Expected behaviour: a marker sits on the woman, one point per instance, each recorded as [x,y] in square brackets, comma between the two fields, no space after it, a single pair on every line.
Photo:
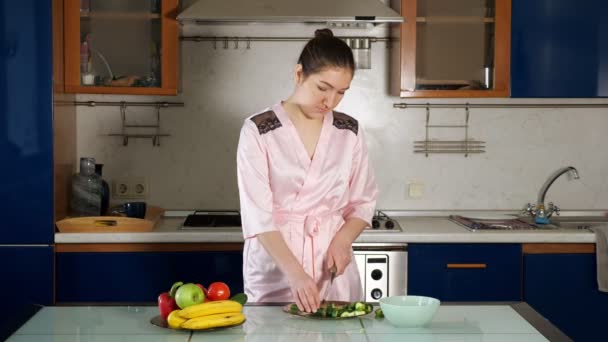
[306,188]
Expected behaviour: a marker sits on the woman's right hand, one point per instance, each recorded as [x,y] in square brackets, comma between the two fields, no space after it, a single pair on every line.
[305,292]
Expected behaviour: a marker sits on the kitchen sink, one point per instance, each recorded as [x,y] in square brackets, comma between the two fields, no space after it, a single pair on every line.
[578,222]
[572,222]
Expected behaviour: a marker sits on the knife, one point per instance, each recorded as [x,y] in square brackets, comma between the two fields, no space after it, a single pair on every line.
[332,271]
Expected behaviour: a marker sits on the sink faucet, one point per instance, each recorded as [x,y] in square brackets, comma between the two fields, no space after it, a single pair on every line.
[539,212]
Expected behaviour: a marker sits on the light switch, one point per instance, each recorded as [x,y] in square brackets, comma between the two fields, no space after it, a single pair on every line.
[416,190]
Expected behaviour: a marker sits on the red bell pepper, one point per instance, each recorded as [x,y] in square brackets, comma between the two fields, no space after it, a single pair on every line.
[166,304]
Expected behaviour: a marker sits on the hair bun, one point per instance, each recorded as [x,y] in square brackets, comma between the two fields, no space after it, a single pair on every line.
[324,33]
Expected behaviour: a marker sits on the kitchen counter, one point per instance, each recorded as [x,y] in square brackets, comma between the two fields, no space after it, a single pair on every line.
[471,322]
[427,229]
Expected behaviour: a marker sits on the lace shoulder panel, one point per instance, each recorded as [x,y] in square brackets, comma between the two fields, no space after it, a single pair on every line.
[266,122]
[344,121]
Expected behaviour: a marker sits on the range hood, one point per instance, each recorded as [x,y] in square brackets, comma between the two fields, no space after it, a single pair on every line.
[289,11]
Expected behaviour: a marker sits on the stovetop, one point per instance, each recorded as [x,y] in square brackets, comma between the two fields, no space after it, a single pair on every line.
[383,222]
[227,218]
[211,218]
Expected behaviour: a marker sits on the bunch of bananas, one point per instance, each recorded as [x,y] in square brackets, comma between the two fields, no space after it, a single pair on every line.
[220,313]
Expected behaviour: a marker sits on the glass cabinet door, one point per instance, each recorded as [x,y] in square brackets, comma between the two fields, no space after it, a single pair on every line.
[117,46]
[455,48]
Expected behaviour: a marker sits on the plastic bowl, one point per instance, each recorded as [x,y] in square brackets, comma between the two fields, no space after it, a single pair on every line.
[409,311]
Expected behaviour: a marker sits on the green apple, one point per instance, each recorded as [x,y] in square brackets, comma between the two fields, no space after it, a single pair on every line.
[189,294]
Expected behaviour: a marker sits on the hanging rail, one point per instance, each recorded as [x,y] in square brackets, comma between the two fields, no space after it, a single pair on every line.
[163,104]
[500,105]
[247,40]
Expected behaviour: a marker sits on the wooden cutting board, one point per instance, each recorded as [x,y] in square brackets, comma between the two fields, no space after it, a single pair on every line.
[111,224]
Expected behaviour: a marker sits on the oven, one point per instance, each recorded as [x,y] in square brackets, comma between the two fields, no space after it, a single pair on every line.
[383,269]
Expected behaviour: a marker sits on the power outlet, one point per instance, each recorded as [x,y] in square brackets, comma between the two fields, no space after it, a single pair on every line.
[136,188]
[415,190]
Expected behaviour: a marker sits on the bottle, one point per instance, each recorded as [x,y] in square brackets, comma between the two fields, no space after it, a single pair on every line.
[105,190]
[86,190]
[84,57]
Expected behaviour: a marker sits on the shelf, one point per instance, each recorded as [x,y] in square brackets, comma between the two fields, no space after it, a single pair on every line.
[120,15]
[454,20]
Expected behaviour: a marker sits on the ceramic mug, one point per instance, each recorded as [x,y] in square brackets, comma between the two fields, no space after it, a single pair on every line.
[130,209]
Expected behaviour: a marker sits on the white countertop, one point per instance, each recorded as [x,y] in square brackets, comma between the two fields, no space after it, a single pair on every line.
[415,229]
[490,323]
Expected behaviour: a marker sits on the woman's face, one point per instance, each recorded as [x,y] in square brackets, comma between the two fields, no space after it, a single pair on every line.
[322,91]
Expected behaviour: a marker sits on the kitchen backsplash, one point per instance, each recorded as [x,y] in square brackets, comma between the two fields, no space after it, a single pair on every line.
[195,166]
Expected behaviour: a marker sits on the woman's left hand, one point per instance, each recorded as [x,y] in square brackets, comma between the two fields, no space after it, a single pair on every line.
[339,253]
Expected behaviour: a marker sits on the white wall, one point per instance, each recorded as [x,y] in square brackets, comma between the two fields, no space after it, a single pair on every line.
[195,167]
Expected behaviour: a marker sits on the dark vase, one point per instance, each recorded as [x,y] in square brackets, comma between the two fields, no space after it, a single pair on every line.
[105,190]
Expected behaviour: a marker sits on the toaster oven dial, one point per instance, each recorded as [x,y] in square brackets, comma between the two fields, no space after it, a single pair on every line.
[376,294]
[376,274]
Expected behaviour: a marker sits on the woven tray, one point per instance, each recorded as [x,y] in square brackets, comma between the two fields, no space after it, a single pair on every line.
[111,224]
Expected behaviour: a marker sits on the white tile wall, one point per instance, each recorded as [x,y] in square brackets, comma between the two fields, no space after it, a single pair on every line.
[195,167]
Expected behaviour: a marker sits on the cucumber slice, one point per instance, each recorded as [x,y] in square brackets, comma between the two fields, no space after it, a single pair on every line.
[359,306]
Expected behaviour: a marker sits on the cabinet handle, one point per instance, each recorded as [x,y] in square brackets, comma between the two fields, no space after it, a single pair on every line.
[466,265]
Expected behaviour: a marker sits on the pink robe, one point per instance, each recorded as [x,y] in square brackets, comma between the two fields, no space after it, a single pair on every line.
[307,201]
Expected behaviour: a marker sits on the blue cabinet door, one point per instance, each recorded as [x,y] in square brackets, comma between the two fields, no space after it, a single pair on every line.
[433,271]
[559,48]
[563,288]
[132,277]
[26,283]
[26,122]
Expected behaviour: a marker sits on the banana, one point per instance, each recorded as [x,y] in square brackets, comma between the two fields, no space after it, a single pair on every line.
[211,308]
[174,320]
[213,321]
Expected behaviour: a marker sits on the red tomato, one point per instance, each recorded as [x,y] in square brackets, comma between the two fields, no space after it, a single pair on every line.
[218,291]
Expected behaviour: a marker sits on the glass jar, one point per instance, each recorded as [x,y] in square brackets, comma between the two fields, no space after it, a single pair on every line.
[87,190]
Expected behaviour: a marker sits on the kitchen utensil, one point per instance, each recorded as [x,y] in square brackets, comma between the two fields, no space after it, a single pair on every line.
[160,322]
[293,310]
[111,224]
[409,311]
[130,209]
[332,272]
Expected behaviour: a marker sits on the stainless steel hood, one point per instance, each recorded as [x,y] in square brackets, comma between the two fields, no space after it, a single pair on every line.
[289,11]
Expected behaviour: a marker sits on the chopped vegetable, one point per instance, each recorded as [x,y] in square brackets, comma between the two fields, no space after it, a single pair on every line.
[360,306]
[379,313]
[334,310]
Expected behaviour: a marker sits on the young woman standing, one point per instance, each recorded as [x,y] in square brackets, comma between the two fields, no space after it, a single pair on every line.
[306,187]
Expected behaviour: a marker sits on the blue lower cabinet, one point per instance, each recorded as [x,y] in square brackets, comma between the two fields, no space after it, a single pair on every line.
[141,276]
[26,274]
[465,272]
[563,288]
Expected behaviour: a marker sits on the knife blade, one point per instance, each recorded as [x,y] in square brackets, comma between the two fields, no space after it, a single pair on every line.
[332,272]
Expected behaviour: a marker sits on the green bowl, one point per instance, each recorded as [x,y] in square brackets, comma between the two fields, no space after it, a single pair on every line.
[409,311]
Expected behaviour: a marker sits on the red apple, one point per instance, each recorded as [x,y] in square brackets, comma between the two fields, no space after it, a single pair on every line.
[202,288]
[189,294]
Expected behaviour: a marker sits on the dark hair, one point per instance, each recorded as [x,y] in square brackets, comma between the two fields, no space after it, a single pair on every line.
[324,51]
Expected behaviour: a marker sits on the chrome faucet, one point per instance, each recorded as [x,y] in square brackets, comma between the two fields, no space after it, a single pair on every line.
[539,212]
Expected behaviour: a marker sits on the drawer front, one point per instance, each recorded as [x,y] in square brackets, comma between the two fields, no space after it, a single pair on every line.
[465,272]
